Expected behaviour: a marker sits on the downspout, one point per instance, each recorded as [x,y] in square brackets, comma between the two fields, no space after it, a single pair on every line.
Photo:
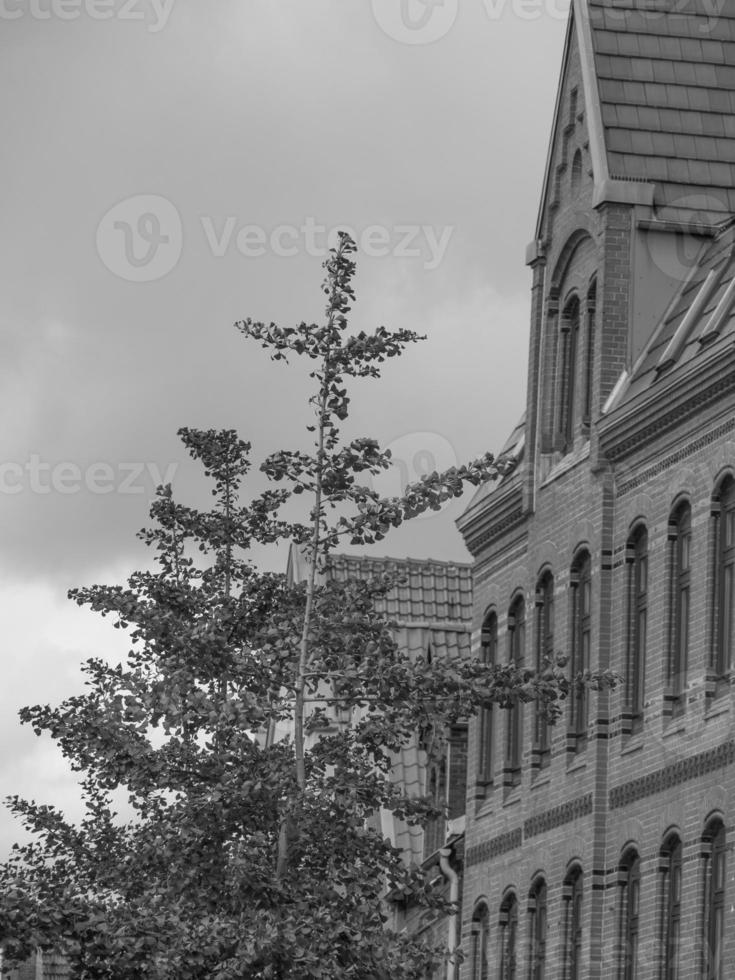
[453,878]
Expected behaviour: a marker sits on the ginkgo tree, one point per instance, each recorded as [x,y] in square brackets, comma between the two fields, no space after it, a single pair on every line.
[242,855]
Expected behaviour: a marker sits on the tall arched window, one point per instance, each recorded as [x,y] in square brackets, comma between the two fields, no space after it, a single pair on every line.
[589,354]
[537,931]
[714,849]
[723,593]
[636,557]
[488,652]
[581,632]
[630,882]
[544,650]
[480,942]
[572,895]
[514,724]
[680,538]
[569,342]
[508,937]
[671,906]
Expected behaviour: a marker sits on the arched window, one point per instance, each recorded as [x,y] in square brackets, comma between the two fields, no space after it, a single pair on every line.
[629,879]
[581,631]
[488,652]
[636,557]
[723,593]
[572,895]
[670,866]
[514,725]
[480,942]
[508,937]
[680,538]
[589,355]
[576,171]
[569,341]
[544,650]
[714,850]
[537,930]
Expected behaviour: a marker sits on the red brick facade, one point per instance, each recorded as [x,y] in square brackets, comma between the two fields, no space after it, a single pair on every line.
[618,473]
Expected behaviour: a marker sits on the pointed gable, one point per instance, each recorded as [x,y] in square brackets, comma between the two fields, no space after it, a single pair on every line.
[666,81]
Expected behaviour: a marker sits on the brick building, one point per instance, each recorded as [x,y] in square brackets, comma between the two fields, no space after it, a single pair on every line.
[602,847]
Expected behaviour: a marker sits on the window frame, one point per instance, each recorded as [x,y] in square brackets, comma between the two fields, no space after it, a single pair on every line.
[723,607]
[715,878]
[514,722]
[489,655]
[671,865]
[629,879]
[480,964]
[573,896]
[569,324]
[680,561]
[537,929]
[580,583]
[637,566]
[544,644]
[508,938]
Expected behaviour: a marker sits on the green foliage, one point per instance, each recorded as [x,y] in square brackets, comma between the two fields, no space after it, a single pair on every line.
[247,856]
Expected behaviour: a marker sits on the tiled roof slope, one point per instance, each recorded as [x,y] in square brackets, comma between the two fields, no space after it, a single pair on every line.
[666,77]
[700,323]
[430,591]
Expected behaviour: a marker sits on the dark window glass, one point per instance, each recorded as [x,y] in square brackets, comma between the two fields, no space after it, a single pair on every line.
[637,561]
[489,650]
[514,729]
[590,352]
[581,583]
[671,905]
[629,916]
[508,938]
[723,514]
[680,540]
[569,340]
[714,912]
[480,936]
[544,651]
[573,926]
[537,931]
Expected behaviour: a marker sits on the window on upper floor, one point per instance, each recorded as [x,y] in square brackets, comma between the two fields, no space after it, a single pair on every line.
[569,342]
[629,878]
[514,721]
[544,637]
[488,653]
[714,852]
[589,354]
[636,557]
[508,938]
[572,895]
[680,540]
[480,942]
[723,591]
[537,916]
[670,867]
[580,635]
[576,175]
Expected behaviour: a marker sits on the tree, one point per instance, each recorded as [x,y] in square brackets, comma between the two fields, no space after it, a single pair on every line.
[245,856]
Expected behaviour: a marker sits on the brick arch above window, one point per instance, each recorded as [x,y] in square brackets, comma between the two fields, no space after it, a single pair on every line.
[580,239]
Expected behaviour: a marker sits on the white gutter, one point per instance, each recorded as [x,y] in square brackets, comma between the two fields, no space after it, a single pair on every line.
[453,878]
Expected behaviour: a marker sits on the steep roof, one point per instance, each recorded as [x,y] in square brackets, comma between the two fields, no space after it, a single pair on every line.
[666,84]
[429,591]
[699,326]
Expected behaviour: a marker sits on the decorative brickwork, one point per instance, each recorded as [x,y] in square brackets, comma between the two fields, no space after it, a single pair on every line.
[678,772]
[562,814]
[492,848]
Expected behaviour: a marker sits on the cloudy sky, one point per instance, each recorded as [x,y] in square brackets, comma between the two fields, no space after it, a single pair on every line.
[171,166]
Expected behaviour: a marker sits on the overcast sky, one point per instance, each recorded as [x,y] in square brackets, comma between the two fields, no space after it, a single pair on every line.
[171,166]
